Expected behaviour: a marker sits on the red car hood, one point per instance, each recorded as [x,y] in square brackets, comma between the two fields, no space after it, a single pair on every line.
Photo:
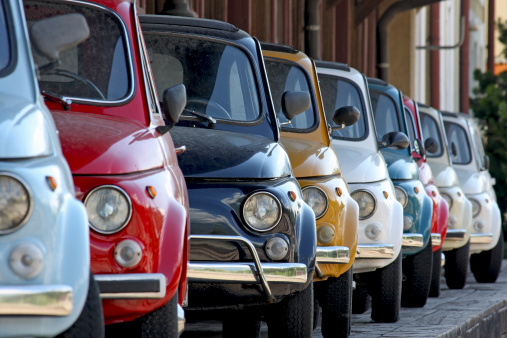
[103,145]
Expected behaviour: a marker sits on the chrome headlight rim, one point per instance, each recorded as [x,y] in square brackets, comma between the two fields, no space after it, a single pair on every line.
[374,202]
[129,202]
[279,209]
[325,198]
[404,192]
[476,202]
[449,198]
[25,185]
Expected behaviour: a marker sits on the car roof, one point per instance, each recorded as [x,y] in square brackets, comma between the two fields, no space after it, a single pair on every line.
[332,65]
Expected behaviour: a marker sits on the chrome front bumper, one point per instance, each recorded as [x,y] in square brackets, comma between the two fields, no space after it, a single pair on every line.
[455,234]
[436,239]
[38,300]
[333,255]
[374,251]
[481,238]
[412,240]
[132,285]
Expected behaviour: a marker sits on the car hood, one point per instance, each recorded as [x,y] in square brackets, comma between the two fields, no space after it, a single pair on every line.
[310,158]
[471,182]
[361,165]
[24,130]
[400,167]
[444,175]
[104,145]
[213,153]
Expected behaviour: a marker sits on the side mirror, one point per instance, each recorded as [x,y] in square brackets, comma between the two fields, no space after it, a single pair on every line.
[431,145]
[345,116]
[294,103]
[56,34]
[454,150]
[486,162]
[394,140]
[420,150]
[174,100]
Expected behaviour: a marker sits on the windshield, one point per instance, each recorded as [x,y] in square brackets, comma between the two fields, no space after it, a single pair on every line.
[285,77]
[430,129]
[5,52]
[385,114]
[95,70]
[410,127]
[338,93]
[218,77]
[478,147]
[458,140]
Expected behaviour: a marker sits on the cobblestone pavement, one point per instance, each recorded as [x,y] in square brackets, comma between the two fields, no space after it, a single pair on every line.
[478,310]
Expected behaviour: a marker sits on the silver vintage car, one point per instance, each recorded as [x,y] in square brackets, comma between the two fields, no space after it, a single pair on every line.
[46,287]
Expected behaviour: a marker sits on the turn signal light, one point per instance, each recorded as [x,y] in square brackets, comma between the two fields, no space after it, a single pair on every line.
[386,195]
[292,196]
[416,189]
[151,191]
[51,181]
[338,191]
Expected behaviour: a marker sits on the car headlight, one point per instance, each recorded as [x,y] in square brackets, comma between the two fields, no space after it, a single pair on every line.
[401,196]
[447,198]
[476,207]
[366,202]
[15,204]
[262,211]
[109,209]
[316,198]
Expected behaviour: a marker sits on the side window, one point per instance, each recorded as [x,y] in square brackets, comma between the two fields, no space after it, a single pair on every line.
[457,136]
[5,52]
[384,111]
[236,94]
[430,129]
[410,127]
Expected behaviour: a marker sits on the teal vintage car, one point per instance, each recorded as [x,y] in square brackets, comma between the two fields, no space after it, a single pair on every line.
[387,104]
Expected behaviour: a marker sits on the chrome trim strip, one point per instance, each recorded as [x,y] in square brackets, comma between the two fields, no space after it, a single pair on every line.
[455,234]
[233,272]
[132,277]
[41,300]
[412,240]
[181,320]
[436,239]
[481,238]
[333,254]
[375,251]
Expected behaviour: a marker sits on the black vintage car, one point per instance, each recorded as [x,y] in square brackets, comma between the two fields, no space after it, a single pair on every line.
[253,240]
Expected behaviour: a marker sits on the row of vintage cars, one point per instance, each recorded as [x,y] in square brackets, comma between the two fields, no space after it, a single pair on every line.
[151,164]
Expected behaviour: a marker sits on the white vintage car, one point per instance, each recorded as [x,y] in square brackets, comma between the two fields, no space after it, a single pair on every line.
[380,228]
[456,246]
[471,164]
[46,287]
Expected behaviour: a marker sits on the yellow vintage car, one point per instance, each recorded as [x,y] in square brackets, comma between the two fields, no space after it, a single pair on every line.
[317,169]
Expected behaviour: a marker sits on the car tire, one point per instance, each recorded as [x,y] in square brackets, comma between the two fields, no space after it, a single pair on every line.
[417,269]
[316,309]
[361,300]
[486,265]
[385,291]
[456,266]
[90,322]
[163,322]
[293,317]
[336,305]
[436,273]
[241,326]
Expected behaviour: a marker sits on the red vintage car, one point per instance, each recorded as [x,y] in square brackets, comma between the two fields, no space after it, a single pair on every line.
[440,206]
[123,162]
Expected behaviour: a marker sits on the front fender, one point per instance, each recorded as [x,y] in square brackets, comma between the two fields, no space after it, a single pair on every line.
[442,214]
[306,240]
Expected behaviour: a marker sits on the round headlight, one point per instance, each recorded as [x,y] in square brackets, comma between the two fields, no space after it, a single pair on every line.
[316,198]
[447,198]
[262,211]
[15,204]
[366,202]
[401,196]
[476,207]
[109,209]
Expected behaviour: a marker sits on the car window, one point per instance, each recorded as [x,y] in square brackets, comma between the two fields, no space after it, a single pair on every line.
[430,129]
[410,127]
[385,114]
[5,52]
[218,77]
[478,147]
[95,70]
[457,135]
[338,93]
[286,77]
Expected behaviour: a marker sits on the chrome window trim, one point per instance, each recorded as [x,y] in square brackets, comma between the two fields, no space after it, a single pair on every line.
[327,199]
[374,199]
[129,202]
[30,198]
[279,207]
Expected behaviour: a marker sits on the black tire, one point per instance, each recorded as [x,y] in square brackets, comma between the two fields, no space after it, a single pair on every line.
[90,322]
[337,306]
[241,326]
[316,309]
[417,271]
[293,317]
[486,265]
[456,266]
[361,300]
[385,291]
[436,273]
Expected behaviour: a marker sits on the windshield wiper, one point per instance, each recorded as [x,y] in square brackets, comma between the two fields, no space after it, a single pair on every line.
[65,102]
[211,121]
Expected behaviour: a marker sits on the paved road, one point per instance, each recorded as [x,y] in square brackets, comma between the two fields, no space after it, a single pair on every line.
[478,310]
